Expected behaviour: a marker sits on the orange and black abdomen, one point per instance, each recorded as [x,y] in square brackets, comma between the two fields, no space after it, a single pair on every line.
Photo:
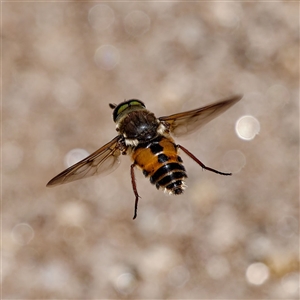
[159,160]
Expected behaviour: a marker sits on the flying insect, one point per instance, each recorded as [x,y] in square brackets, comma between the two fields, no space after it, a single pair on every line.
[147,140]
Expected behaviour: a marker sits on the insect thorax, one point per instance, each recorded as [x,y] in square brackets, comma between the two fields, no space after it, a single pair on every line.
[139,126]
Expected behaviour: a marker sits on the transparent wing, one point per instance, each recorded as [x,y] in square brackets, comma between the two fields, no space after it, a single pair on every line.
[102,160]
[189,121]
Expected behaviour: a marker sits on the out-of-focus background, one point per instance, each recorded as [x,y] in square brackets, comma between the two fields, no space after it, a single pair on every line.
[226,237]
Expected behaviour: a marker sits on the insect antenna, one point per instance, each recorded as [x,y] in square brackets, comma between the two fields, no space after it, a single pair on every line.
[200,163]
[112,106]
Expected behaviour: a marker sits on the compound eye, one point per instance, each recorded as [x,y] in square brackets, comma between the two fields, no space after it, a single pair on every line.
[125,105]
[136,102]
[121,108]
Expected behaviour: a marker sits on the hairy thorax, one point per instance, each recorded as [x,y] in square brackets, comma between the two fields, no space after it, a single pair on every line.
[141,126]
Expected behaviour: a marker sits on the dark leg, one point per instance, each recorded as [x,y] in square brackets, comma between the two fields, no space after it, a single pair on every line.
[134,190]
[199,162]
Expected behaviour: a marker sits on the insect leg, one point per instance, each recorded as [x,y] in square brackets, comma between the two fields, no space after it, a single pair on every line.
[199,162]
[134,190]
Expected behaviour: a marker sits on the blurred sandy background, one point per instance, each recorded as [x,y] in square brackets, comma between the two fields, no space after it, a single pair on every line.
[226,237]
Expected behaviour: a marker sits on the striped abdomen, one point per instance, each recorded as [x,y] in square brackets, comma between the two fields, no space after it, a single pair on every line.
[159,161]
